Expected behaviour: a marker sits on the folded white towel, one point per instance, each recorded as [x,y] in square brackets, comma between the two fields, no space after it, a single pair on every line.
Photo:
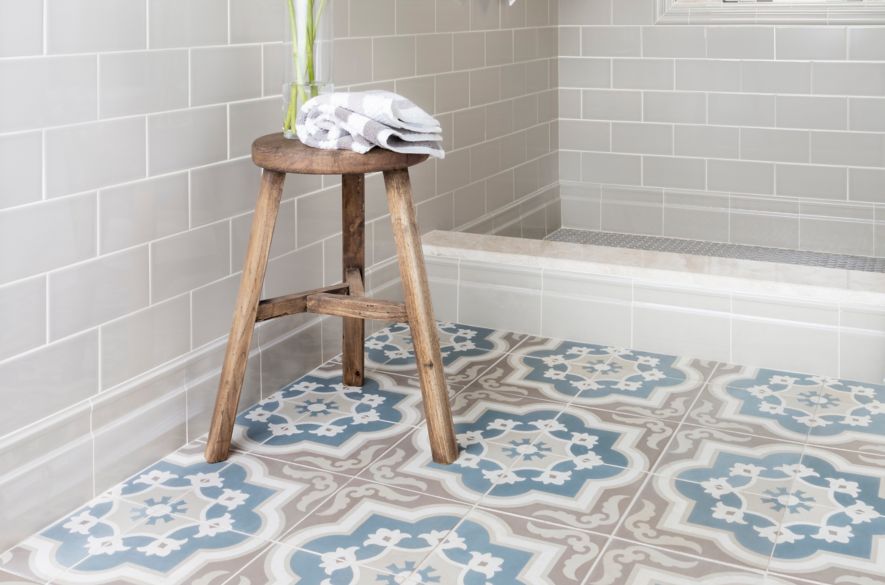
[360,121]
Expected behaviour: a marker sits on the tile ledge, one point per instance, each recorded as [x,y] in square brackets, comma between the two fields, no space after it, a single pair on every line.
[724,274]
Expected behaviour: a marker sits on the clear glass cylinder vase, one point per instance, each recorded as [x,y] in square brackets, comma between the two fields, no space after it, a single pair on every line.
[308,56]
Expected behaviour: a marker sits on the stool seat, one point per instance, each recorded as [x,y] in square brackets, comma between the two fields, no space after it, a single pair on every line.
[275,152]
[277,156]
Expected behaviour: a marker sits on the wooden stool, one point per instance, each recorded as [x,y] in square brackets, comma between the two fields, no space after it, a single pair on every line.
[278,156]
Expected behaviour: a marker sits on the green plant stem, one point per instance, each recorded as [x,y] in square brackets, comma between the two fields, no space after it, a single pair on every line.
[298,93]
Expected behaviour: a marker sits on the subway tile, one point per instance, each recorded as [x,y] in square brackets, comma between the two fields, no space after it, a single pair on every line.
[469,127]
[212,308]
[740,176]
[794,347]
[867,114]
[583,308]
[584,72]
[436,213]
[47,380]
[848,79]
[295,271]
[764,222]
[661,328]
[499,47]
[822,233]
[484,15]
[573,12]
[225,74]
[318,216]
[584,135]
[675,107]
[499,120]
[708,75]
[696,215]
[142,341]
[421,90]
[358,67]
[795,310]
[859,356]
[569,41]
[21,28]
[469,48]
[190,138]
[23,314]
[483,284]
[737,109]
[866,43]
[581,206]
[818,113]
[707,141]
[222,190]
[866,185]
[620,169]
[640,138]
[740,42]
[610,41]
[633,12]
[415,16]
[47,91]
[95,155]
[142,82]
[848,148]
[526,44]
[291,358]
[21,168]
[249,120]
[38,238]
[814,43]
[85,26]
[812,181]
[632,210]
[452,16]
[642,74]
[611,105]
[673,172]
[393,57]
[774,145]
[143,211]
[469,203]
[434,54]
[184,262]
[775,77]
[187,23]
[375,18]
[674,41]
[77,304]
[257,21]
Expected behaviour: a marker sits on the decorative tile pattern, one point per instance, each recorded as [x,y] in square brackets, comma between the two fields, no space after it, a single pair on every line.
[320,422]
[467,350]
[641,383]
[580,464]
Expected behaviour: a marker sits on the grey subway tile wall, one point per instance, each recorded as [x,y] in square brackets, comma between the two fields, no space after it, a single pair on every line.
[126,196]
[778,131]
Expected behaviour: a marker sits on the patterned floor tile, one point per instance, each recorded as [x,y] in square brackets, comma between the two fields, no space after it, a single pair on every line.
[850,415]
[373,525]
[282,565]
[318,422]
[495,549]
[626,563]
[835,530]
[763,402]
[729,461]
[639,383]
[723,502]
[467,350]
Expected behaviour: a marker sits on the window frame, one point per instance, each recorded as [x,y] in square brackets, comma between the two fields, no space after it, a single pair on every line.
[768,12]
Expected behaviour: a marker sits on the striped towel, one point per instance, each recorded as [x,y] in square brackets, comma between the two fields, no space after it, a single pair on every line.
[360,121]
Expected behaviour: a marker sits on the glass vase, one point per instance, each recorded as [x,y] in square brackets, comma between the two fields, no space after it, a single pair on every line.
[308,59]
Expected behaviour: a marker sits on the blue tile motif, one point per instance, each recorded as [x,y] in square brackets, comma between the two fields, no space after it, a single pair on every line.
[596,371]
[807,404]
[555,455]
[322,411]
[380,538]
[392,346]
[174,513]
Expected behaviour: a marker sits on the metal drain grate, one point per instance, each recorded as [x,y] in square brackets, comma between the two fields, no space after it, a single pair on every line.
[721,250]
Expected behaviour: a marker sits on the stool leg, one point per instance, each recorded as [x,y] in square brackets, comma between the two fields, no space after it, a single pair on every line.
[353,188]
[420,310]
[237,355]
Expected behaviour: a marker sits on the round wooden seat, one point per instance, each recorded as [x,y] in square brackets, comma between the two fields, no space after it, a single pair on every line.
[275,152]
